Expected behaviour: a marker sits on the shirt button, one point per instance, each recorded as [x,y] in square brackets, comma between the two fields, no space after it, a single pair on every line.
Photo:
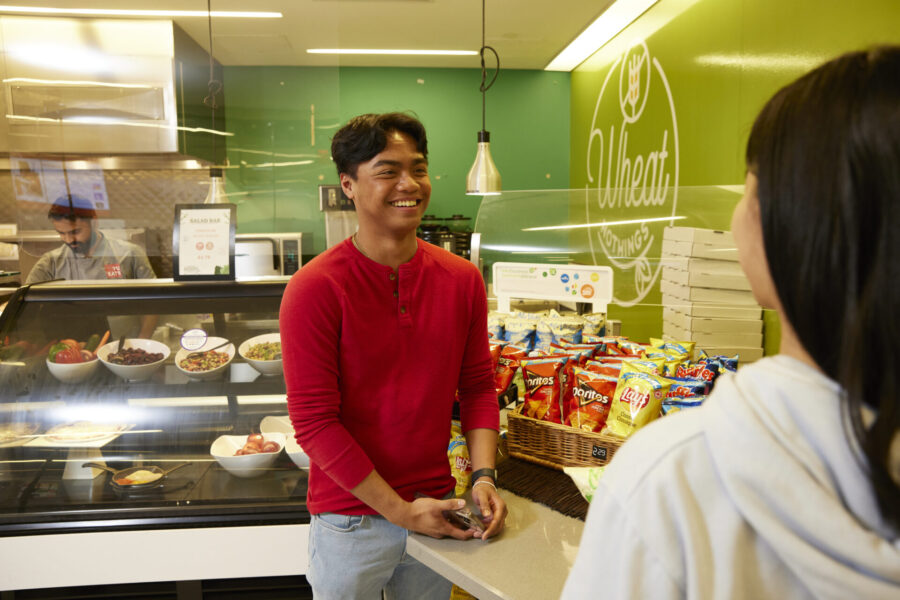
[396,294]
[402,310]
[392,276]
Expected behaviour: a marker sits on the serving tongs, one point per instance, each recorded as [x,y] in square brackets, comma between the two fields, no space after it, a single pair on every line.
[125,473]
[199,353]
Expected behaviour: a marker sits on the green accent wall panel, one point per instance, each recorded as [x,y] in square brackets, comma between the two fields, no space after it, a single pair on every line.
[283,119]
[703,69]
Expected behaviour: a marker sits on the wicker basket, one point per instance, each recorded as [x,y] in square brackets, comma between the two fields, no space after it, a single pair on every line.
[557,446]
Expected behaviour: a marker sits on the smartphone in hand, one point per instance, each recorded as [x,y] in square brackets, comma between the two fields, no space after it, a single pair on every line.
[464,519]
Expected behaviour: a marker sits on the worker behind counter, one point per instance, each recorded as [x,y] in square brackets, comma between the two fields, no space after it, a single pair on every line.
[86,253]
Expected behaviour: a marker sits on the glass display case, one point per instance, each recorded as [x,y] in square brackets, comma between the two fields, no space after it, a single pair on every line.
[67,436]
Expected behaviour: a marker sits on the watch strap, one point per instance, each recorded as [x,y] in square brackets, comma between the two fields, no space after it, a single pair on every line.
[492,473]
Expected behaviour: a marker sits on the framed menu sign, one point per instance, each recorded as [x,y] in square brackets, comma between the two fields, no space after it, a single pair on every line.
[203,242]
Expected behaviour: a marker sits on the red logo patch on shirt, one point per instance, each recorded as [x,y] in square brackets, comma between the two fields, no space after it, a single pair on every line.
[113,271]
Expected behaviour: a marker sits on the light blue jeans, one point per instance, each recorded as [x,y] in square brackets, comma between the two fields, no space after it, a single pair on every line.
[359,557]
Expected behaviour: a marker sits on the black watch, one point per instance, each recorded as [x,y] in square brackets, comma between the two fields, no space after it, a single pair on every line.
[492,473]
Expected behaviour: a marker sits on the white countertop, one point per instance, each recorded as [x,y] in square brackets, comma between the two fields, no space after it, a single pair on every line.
[529,560]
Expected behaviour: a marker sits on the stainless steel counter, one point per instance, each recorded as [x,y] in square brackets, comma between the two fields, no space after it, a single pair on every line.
[529,560]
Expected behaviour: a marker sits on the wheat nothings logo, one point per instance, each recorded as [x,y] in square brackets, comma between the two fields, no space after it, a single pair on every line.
[632,171]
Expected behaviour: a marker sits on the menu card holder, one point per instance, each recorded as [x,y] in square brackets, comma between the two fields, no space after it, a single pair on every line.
[203,242]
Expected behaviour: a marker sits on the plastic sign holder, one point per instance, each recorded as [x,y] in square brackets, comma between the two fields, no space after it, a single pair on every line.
[562,283]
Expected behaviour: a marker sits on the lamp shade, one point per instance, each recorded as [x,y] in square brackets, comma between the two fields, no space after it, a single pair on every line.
[216,194]
[483,178]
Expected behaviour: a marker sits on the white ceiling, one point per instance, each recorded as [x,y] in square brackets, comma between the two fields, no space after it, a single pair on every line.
[527,34]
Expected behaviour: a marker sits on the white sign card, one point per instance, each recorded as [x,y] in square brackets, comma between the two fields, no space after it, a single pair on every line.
[203,242]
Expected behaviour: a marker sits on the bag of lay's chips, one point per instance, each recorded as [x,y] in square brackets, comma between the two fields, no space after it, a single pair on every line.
[629,347]
[588,399]
[458,455]
[507,365]
[646,365]
[637,400]
[543,379]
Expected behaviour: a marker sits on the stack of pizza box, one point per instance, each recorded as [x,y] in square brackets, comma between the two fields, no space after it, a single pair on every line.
[706,296]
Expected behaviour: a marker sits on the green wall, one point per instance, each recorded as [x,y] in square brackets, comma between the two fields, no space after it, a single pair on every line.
[270,111]
[721,60]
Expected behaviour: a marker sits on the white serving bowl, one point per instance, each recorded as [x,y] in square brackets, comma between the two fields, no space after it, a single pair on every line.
[266,367]
[283,425]
[134,372]
[248,465]
[73,372]
[211,342]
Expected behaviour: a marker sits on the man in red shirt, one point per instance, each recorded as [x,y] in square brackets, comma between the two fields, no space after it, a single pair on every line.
[379,333]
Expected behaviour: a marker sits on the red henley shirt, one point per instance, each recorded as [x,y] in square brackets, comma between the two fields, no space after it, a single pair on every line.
[372,362]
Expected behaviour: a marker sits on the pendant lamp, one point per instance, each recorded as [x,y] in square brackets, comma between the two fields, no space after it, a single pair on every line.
[484,178]
[216,194]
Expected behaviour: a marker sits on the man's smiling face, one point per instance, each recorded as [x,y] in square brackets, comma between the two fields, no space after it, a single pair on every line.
[391,191]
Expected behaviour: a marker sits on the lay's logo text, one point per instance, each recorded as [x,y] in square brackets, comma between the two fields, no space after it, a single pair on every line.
[634,398]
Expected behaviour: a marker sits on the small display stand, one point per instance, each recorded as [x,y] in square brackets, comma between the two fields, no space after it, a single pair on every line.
[562,283]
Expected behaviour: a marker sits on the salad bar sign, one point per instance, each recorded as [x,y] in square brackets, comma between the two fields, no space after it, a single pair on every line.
[203,242]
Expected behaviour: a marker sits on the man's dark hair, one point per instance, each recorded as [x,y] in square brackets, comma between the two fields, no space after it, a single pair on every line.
[825,152]
[71,207]
[366,135]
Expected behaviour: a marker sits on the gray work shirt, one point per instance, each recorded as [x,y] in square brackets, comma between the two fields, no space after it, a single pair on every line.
[110,259]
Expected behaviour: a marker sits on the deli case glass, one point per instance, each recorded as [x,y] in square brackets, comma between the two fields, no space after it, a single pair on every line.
[87,447]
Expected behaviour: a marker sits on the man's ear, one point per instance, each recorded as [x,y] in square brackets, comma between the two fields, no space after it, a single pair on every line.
[347,185]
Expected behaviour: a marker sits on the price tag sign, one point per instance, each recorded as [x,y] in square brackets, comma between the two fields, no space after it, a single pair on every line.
[193,339]
[203,242]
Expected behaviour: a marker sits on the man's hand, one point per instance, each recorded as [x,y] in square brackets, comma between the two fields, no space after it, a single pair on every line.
[492,508]
[425,515]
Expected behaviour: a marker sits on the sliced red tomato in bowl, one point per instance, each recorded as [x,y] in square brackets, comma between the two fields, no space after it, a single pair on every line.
[69,356]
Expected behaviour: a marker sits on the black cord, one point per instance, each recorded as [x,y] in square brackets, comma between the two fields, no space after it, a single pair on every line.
[214,86]
[484,88]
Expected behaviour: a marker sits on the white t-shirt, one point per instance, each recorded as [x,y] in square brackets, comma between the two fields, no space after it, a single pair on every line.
[756,494]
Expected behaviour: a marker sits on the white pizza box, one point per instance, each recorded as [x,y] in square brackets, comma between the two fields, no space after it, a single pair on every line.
[695,276]
[696,234]
[711,311]
[702,294]
[705,325]
[702,265]
[700,250]
[703,339]
[746,354]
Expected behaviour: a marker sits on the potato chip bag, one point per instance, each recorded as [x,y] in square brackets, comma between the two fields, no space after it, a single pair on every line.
[594,324]
[609,366]
[496,347]
[637,400]
[653,366]
[507,365]
[588,399]
[458,455]
[543,381]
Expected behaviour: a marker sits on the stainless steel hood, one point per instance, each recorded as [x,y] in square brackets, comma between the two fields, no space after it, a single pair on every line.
[96,86]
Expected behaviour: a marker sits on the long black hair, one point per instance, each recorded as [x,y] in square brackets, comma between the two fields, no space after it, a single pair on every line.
[826,153]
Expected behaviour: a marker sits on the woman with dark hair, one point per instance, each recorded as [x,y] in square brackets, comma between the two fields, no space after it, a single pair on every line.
[785,483]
